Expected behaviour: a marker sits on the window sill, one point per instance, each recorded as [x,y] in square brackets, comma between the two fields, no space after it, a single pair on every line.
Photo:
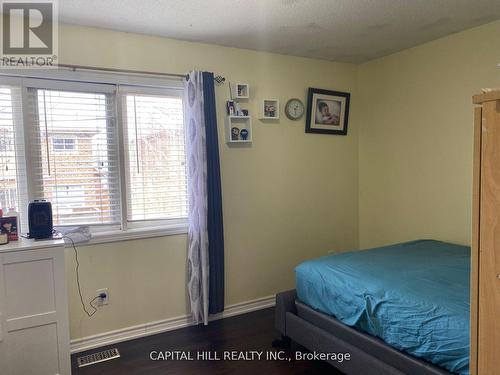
[136,234]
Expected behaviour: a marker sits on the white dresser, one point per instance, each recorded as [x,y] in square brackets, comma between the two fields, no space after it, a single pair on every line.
[34,327]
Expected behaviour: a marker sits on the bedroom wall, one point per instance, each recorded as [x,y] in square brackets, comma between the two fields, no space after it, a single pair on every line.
[293,196]
[288,197]
[415,141]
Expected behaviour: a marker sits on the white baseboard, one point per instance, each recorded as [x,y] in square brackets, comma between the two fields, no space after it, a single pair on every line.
[152,328]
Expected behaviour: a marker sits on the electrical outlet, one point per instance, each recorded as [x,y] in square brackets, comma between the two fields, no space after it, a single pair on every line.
[102,301]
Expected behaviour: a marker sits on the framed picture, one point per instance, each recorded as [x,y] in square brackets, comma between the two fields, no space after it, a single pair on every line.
[327,111]
[8,225]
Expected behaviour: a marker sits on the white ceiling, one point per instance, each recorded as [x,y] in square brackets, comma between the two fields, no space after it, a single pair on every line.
[339,30]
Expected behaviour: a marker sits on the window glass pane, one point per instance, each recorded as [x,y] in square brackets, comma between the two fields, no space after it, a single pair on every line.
[77,164]
[61,144]
[157,187]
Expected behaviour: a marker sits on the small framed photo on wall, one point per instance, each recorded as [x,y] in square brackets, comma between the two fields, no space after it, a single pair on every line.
[327,111]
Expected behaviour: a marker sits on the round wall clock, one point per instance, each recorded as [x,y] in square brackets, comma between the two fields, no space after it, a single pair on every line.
[294,109]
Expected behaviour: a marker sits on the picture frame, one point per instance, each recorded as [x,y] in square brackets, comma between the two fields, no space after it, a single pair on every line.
[327,111]
[8,225]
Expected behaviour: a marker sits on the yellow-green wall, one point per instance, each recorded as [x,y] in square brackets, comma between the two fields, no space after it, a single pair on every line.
[288,197]
[291,195]
[415,138]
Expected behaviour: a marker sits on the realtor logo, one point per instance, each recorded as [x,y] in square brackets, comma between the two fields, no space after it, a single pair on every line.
[29,34]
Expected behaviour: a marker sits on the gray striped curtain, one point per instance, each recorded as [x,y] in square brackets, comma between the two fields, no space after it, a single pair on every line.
[205,234]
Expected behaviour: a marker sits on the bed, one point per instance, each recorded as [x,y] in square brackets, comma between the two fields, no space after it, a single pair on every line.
[400,309]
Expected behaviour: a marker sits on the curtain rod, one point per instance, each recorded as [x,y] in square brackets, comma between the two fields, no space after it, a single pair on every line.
[128,71]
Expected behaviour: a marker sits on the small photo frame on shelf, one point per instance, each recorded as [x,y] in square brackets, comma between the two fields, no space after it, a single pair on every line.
[230,107]
[327,111]
[235,133]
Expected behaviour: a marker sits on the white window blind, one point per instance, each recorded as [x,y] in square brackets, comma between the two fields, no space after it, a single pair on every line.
[155,157]
[74,155]
[12,162]
[8,173]
[105,153]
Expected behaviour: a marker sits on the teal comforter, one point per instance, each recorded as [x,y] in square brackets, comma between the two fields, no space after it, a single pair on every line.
[414,296]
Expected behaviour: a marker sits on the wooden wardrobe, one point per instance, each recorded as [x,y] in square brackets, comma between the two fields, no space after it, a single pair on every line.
[485,270]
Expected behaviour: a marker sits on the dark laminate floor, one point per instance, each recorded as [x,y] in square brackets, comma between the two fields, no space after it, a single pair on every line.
[252,331]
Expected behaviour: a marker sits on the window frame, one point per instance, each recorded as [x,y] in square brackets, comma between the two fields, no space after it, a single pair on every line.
[121,97]
[65,150]
[32,86]
[119,85]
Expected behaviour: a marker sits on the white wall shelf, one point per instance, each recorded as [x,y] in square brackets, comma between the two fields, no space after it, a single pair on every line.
[241,91]
[240,123]
[270,109]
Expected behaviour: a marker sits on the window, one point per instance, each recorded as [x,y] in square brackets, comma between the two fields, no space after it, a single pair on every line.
[156,161]
[63,144]
[8,175]
[83,185]
[100,164]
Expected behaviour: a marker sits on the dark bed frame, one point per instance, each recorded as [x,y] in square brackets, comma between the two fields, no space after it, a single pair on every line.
[322,333]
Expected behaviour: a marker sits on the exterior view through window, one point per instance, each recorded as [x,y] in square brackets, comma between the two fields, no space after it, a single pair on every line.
[156,158]
[78,166]
[75,155]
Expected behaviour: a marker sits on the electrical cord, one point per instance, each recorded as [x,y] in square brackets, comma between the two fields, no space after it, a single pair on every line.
[89,314]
